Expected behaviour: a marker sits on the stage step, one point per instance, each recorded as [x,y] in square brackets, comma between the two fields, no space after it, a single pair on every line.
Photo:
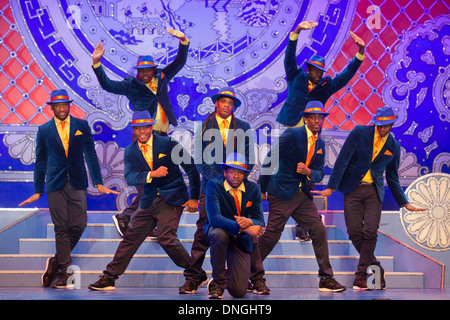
[101,246]
[175,278]
[291,263]
[286,263]
[185,231]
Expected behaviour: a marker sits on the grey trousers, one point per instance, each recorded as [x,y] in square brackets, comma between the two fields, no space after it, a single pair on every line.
[225,252]
[362,211]
[303,210]
[68,212]
[160,215]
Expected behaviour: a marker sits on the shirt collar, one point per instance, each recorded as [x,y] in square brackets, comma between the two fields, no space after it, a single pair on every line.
[148,143]
[309,132]
[376,135]
[220,120]
[228,187]
[67,120]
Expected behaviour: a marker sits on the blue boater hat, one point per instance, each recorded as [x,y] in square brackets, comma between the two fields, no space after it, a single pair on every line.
[384,115]
[142,118]
[59,95]
[227,92]
[317,61]
[236,161]
[145,62]
[314,106]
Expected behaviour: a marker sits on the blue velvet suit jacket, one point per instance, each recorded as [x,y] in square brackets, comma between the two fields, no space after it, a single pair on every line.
[52,167]
[140,96]
[221,209]
[298,95]
[203,159]
[355,159]
[172,187]
[292,148]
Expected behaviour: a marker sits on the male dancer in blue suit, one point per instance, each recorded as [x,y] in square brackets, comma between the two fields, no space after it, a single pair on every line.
[62,145]
[235,214]
[309,86]
[150,161]
[367,153]
[218,136]
[300,154]
[147,91]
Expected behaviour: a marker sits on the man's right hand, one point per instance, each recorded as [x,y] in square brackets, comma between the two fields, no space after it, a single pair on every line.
[98,53]
[305,25]
[160,172]
[31,199]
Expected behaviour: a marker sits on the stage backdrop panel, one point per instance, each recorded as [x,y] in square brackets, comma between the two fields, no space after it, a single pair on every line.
[47,44]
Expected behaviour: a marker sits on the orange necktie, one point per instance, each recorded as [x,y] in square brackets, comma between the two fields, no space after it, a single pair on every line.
[161,111]
[236,201]
[225,127]
[65,138]
[147,156]
[311,150]
[163,114]
[376,145]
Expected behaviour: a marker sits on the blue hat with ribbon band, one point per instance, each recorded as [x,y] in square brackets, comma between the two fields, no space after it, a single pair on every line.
[227,92]
[236,161]
[317,61]
[314,106]
[142,118]
[145,62]
[59,95]
[384,116]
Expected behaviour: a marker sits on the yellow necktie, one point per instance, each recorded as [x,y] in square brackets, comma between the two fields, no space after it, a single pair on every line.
[65,138]
[148,156]
[376,145]
[311,150]
[236,201]
[224,129]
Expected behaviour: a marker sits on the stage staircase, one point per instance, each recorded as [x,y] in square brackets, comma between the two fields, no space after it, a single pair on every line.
[25,245]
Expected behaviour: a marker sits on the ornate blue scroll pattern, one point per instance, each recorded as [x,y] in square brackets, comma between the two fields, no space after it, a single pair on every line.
[429,229]
[237,43]
[418,89]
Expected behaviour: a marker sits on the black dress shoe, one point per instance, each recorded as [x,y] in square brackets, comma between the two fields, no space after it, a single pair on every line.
[51,268]
[62,281]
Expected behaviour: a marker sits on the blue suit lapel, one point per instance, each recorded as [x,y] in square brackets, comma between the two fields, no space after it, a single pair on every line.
[73,129]
[54,133]
[139,156]
[302,141]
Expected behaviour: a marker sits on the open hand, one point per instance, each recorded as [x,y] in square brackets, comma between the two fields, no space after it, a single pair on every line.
[31,199]
[105,190]
[359,42]
[177,34]
[326,193]
[98,53]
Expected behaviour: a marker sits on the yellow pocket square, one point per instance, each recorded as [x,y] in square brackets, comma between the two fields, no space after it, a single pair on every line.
[161,155]
[388,153]
[249,204]
[78,133]
[320,151]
